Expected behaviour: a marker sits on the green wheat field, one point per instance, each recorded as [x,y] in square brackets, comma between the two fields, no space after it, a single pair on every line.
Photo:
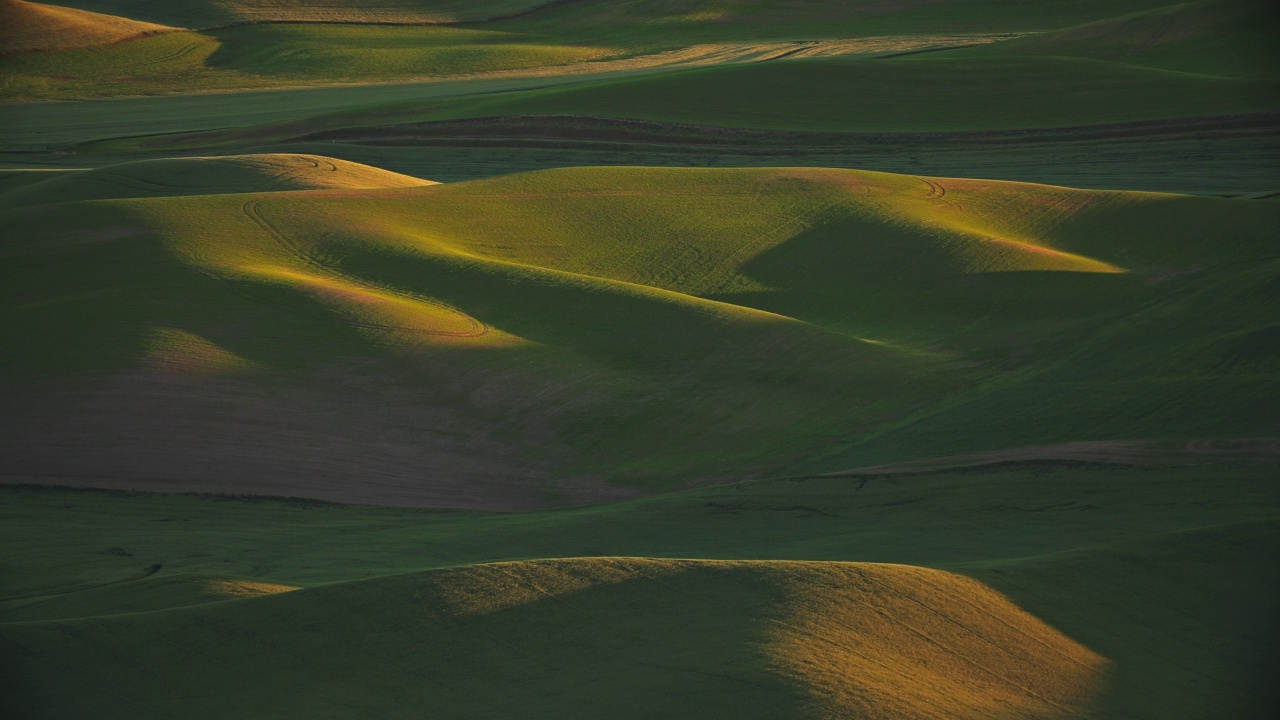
[679,359]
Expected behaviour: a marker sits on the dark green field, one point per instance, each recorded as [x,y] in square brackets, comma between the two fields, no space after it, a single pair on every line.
[661,358]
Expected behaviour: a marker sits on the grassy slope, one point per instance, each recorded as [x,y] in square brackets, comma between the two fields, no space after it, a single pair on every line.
[27,27]
[947,94]
[995,87]
[294,54]
[630,18]
[1230,38]
[1167,574]
[1098,552]
[677,323]
[204,13]
[655,23]
[274,55]
[200,176]
[693,638]
[1220,164]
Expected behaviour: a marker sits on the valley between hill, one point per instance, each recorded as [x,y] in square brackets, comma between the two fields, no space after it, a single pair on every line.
[644,358]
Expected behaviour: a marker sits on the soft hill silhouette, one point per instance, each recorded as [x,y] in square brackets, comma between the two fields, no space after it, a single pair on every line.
[205,13]
[1165,575]
[616,329]
[28,26]
[738,359]
[203,176]
[620,637]
[621,17]
[1217,37]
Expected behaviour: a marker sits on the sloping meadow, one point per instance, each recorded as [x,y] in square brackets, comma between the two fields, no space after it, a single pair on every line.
[617,329]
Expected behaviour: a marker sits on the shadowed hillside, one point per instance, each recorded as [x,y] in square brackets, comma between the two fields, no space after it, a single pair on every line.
[205,176]
[715,639]
[1136,593]
[813,359]
[1213,37]
[614,329]
[205,13]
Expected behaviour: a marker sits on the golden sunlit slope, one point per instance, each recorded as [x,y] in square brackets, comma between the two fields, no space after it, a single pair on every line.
[27,26]
[615,637]
[204,176]
[577,334]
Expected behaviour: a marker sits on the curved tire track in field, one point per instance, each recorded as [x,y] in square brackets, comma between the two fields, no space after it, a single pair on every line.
[936,191]
[175,55]
[252,209]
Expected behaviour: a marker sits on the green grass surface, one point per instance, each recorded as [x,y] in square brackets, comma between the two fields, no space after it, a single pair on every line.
[246,287]
[630,19]
[52,127]
[1212,37]
[31,27]
[275,55]
[326,52]
[1097,552]
[228,174]
[654,23]
[299,53]
[910,94]
[205,13]
[639,326]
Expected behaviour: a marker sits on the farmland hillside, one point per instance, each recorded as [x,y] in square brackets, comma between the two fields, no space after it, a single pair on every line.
[646,22]
[1211,37]
[27,27]
[780,638]
[1088,556]
[206,13]
[856,95]
[597,317]
[202,176]
[639,358]
[622,16]
[243,44]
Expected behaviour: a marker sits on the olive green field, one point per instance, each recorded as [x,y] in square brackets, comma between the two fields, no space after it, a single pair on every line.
[638,359]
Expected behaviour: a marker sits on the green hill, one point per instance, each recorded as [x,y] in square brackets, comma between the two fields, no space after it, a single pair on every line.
[28,27]
[682,637]
[203,176]
[1212,37]
[206,13]
[618,329]
[741,358]
[902,95]
[654,23]
[1101,592]
[291,54]
[284,42]
[712,17]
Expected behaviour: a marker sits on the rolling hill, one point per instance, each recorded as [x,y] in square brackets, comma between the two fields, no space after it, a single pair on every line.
[27,27]
[716,638]
[206,176]
[613,328]
[739,358]
[245,44]
[1213,37]
[207,13]
[1070,615]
